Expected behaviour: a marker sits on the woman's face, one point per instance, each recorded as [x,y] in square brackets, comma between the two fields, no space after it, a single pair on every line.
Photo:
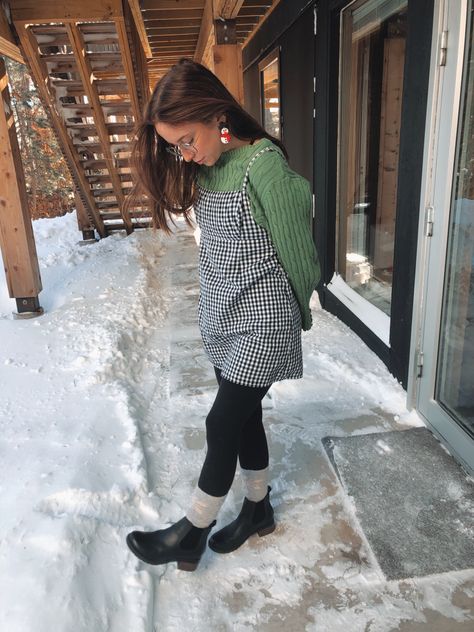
[204,138]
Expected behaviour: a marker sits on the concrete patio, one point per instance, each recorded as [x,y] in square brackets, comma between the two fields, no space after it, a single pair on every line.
[316,571]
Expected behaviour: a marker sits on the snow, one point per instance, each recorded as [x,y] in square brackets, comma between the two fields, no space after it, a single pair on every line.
[102,434]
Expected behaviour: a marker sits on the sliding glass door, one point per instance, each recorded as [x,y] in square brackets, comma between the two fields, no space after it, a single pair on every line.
[446,384]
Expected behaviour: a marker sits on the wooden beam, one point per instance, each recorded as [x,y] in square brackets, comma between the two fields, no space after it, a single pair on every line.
[16,231]
[8,45]
[128,67]
[29,11]
[140,24]
[83,64]
[46,91]
[206,32]
[227,9]
[228,67]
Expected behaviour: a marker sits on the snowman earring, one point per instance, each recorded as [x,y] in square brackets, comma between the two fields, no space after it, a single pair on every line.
[225,135]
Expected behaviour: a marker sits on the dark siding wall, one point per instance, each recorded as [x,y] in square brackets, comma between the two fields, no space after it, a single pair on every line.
[291,27]
[251,92]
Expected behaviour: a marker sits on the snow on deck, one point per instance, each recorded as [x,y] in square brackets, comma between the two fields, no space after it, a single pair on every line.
[103,409]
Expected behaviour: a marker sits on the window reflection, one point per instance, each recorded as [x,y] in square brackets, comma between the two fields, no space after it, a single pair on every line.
[270,82]
[372,59]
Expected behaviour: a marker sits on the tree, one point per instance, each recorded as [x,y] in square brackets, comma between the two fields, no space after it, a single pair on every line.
[46,171]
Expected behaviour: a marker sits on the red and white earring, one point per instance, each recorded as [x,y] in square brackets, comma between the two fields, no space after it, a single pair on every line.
[225,135]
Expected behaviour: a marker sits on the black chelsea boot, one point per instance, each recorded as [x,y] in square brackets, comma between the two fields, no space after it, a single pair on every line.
[254,517]
[182,542]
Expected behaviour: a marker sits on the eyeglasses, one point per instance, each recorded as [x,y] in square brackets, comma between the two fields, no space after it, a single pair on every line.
[176,149]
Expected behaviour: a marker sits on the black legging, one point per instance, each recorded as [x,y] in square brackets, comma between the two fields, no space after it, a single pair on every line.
[233,428]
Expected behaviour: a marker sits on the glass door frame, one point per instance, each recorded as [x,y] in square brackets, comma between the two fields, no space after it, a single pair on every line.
[439,159]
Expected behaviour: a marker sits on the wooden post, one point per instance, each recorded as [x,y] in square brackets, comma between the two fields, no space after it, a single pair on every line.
[228,67]
[227,58]
[16,231]
[217,46]
[83,222]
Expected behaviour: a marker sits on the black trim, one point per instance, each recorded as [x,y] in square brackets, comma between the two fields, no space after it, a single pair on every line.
[279,21]
[415,86]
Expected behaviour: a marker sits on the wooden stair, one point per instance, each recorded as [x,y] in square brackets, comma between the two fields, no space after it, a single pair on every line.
[92,78]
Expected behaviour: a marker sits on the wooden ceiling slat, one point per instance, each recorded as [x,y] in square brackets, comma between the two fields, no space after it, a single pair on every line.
[184,14]
[93,57]
[45,41]
[181,53]
[172,47]
[164,24]
[28,11]
[147,5]
[175,32]
[86,28]
[163,39]
[140,26]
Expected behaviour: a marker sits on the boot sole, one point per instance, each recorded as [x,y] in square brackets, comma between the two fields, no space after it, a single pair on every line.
[261,533]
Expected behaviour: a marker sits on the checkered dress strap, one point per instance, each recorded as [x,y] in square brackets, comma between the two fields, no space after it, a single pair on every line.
[252,161]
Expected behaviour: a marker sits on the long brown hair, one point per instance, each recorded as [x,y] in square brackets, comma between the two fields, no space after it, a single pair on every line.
[188,92]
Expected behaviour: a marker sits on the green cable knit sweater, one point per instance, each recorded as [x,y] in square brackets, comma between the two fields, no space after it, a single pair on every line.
[280,201]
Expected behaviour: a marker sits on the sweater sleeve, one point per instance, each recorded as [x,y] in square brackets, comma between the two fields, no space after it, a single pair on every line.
[282,203]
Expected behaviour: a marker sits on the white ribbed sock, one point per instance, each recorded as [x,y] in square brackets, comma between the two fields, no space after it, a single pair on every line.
[256,482]
[204,508]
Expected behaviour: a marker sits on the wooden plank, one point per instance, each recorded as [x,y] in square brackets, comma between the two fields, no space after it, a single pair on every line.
[227,9]
[184,52]
[90,89]
[148,5]
[139,59]
[8,45]
[92,57]
[140,25]
[228,67]
[206,32]
[128,67]
[165,24]
[40,75]
[16,232]
[83,221]
[28,11]
[184,14]
[166,39]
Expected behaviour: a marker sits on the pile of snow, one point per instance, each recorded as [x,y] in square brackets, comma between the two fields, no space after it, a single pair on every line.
[91,448]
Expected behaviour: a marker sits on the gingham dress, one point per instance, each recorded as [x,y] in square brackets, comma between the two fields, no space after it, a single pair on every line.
[249,318]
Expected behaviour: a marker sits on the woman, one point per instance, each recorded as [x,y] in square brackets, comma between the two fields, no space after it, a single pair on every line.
[198,148]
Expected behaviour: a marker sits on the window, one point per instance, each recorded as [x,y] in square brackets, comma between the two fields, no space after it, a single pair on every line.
[270,93]
[372,58]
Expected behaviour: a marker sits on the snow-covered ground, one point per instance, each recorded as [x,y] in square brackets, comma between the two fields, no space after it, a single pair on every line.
[103,405]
